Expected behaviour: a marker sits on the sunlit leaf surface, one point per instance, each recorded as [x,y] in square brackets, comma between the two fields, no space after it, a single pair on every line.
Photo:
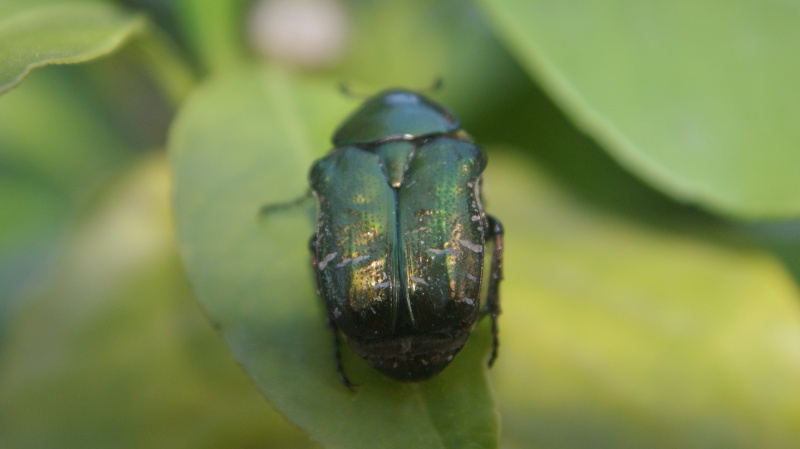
[697,98]
[617,333]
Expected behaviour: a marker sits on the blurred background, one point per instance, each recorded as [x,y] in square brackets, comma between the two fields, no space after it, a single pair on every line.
[653,246]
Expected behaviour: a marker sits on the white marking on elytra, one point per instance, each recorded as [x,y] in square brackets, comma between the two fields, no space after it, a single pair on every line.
[438,252]
[472,278]
[324,262]
[468,301]
[471,246]
[418,280]
[475,217]
[348,260]
[381,285]
[360,258]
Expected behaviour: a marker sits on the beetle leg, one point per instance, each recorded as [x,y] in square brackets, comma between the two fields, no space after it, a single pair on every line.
[337,345]
[337,341]
[269,209]
[493,295]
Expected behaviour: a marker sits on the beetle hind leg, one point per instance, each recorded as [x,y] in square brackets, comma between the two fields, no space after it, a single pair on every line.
[492,306]
[337,351]
[337,340]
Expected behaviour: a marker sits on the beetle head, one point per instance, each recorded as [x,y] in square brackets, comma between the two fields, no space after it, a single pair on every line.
[395,114]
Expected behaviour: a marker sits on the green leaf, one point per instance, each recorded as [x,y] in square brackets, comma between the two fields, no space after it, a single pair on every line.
[246,141]
[117,353]
[619,333]
[66,33]
[696,98]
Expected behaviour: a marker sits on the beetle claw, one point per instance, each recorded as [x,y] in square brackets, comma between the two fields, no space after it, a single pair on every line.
[342,377]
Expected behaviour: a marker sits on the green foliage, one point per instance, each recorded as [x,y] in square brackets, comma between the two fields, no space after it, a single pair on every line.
[630,318]
[696,98]
[54,33]
[116,352]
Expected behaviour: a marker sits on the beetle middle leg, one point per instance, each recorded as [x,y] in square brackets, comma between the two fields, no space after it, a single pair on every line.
[337,339]
[493,294]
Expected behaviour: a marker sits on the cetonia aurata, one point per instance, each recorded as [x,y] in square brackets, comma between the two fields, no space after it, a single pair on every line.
[401,235]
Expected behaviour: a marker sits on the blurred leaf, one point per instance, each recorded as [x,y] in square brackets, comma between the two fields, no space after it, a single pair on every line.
[117,353]
[213,31]
[64,33]
[249,140]
[693,97]
[166,65]
[57,146]
[31,226]
[528,123]
[627,335]
[414,43]
[783,238]
[409,42]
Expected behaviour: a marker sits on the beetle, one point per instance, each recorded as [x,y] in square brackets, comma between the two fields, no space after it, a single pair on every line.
[401,233]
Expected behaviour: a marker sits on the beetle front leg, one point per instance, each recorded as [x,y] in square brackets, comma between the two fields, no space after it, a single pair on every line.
[269,209]
[496,275]
[337,341]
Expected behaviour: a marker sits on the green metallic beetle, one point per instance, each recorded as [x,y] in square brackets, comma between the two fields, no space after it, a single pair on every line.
[401,233]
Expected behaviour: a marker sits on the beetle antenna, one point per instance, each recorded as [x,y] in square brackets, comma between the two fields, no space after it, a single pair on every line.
[437,85]
[345,90]
[434,87]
